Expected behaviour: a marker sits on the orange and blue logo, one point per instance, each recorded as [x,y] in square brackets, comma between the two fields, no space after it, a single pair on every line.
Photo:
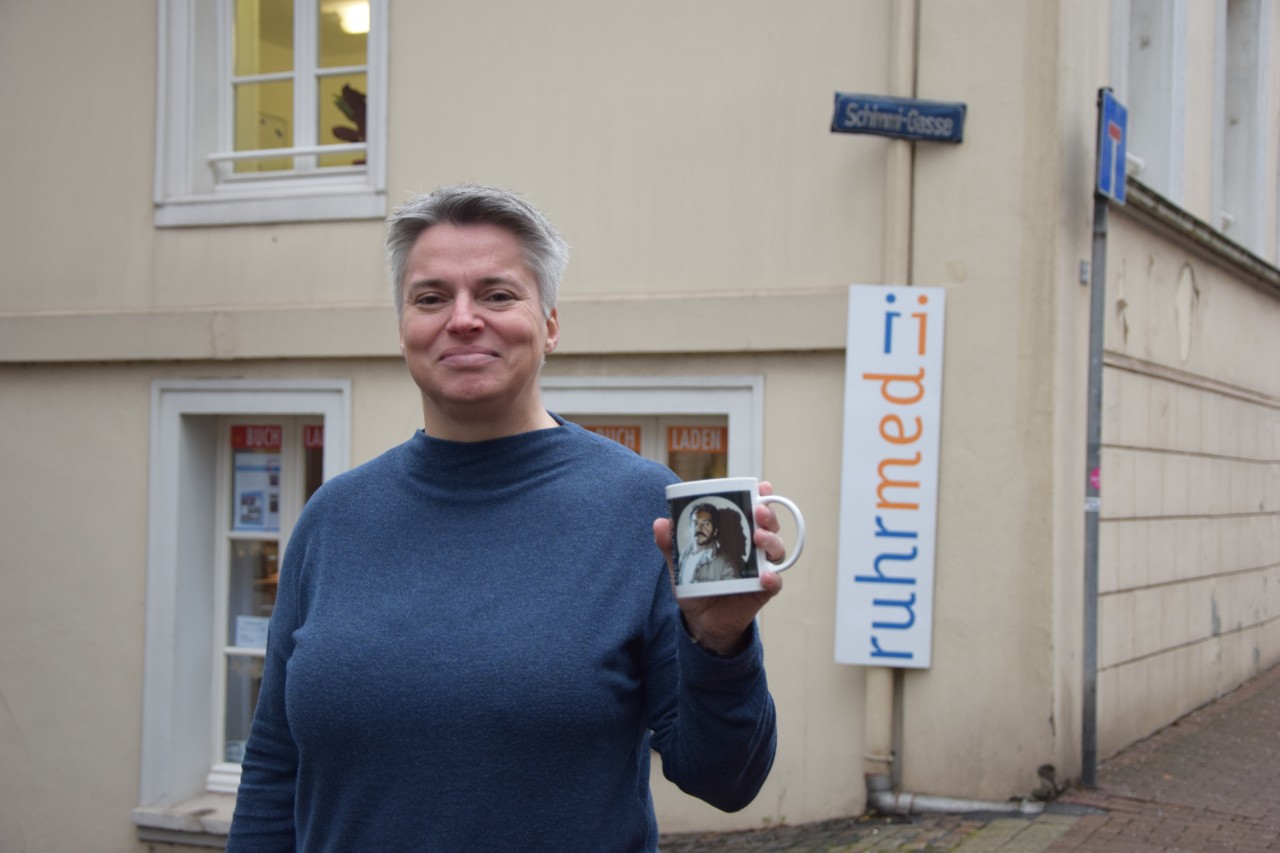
[889,476]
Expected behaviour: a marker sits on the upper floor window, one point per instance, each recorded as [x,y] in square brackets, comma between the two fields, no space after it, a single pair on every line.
[1245,96]
[271,111]
[1149,77]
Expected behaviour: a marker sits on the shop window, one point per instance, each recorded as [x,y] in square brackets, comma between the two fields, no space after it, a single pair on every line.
[268,469]
[700,427]
[271,110]
[232,463]
[695,448]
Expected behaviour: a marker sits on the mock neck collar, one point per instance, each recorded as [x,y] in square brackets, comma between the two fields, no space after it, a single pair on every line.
[491,463]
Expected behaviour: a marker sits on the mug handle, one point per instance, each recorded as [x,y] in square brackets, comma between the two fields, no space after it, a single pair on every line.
[795,511]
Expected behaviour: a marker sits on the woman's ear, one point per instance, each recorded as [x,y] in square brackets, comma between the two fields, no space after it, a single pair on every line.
[553,333]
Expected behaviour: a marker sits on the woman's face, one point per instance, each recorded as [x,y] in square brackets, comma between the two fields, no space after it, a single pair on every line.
[472,331]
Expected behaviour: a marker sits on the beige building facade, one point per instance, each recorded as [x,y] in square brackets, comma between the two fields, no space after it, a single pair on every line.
[169,290]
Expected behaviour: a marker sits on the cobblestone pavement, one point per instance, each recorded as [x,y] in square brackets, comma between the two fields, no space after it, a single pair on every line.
[1209,782]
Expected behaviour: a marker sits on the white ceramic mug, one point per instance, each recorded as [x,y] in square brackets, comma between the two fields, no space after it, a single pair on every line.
[713,536]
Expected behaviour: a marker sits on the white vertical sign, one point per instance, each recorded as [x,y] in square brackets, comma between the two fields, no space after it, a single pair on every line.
[889,476]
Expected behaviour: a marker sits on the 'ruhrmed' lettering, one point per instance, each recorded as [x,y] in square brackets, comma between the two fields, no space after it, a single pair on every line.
[888,380]
[908,605]
[885,483]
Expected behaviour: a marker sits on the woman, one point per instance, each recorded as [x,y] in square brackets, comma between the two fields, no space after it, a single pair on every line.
[475,643]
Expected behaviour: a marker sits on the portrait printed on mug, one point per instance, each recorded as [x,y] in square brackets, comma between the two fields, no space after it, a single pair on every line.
[713,548]
[713,538]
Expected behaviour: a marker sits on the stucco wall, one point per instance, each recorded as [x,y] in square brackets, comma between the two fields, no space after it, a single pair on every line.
[1189,562]
[72,619]
[74,558]
[683,149]
[982,228]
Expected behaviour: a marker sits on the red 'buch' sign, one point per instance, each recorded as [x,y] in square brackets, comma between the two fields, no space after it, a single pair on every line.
[256,437]
[627,436]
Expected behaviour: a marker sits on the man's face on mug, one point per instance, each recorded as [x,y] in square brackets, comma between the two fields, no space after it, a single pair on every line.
[704,529]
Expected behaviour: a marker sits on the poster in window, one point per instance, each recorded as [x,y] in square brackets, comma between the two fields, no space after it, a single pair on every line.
[256,492]
[251,632]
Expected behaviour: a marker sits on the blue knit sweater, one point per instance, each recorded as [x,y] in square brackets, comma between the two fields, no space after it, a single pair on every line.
[474,648]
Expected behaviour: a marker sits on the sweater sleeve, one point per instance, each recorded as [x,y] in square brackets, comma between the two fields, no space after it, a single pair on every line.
[712,718]
[264,814]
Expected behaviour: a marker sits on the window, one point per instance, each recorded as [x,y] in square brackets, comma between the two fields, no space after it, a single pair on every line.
[695,448]
[1149,76]
[270,111]
[267,469]
[700,427]
[1240,179]
[231,464]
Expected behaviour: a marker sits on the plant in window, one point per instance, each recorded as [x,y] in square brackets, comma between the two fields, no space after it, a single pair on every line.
[352,104]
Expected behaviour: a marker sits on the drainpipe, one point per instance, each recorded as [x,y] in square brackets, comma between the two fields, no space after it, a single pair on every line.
[884,685]
[883,800]
[883,682]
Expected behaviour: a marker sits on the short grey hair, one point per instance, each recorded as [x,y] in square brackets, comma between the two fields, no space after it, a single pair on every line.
[546,252]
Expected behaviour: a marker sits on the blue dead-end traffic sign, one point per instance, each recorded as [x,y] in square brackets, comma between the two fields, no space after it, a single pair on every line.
[1113,130]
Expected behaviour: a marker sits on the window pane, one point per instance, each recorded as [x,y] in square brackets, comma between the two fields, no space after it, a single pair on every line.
[255,574]
[244,681]
[263,112]
[344,29]
[312,459]
[263,37]
[255,477]
[698,452]
[342,116]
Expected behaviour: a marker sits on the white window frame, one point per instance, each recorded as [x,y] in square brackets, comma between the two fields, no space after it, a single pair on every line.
[1242,58]
[178,692]
[739,398]
[193,72]
[1149,75]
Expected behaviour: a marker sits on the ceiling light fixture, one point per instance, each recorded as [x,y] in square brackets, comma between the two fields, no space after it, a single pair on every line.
[354,18]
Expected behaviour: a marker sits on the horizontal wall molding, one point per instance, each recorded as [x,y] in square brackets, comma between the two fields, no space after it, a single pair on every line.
[1145,205]
[695,323]
[1156,370]
[1195,579]
[1260,625]
[214,334]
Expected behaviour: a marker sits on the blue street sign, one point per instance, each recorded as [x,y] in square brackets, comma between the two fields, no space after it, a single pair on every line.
[900,118]
[1113,130]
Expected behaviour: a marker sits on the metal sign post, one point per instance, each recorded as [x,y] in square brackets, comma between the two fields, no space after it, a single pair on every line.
[1110,187]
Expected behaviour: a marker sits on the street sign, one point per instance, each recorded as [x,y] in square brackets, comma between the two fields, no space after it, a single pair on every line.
[1113,131]
[900,118]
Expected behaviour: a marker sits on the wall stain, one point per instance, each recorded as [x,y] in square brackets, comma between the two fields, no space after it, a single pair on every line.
[1185,299]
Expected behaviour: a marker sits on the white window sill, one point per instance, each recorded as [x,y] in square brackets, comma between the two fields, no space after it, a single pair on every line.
[203,821]
[245,209]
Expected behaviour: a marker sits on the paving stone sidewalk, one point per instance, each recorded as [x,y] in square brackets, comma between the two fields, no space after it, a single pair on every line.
[1206,783]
